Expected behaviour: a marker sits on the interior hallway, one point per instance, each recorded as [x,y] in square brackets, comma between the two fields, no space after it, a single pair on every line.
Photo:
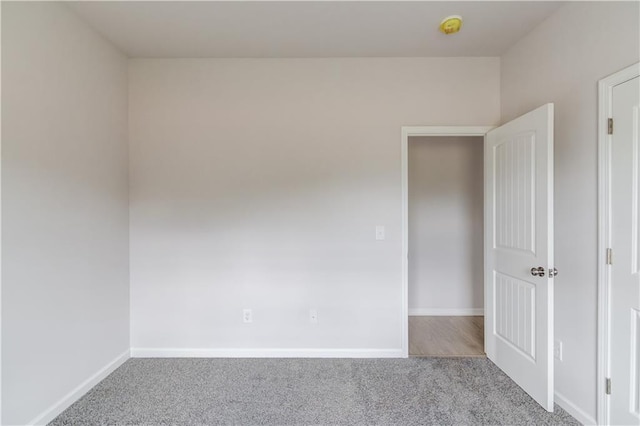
[457,336]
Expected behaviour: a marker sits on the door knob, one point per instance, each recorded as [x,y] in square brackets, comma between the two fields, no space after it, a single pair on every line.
[538,272]
[553,272]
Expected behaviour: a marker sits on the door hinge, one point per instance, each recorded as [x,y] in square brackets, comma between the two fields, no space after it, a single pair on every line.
[609,256]
[607,386]
[610,126]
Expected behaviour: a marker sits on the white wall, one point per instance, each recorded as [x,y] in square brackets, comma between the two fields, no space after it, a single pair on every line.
[561,61]
[64,207]
[446,225]
[259,183]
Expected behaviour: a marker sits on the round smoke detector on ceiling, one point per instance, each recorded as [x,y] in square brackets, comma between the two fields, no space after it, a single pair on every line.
[451,24]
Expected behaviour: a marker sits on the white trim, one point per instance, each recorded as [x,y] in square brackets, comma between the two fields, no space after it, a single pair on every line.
[451,312]
[56,409]
[406,133]
[574,410]
[0,220]
[263,353]
[605,88]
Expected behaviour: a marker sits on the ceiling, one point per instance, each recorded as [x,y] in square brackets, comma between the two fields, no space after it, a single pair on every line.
[286,29]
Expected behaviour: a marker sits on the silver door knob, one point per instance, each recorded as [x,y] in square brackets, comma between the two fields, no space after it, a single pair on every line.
[553,272]
[538,272]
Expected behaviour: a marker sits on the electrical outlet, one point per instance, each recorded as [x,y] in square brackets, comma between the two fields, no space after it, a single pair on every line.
[247,316]
[557,350]
[313,316]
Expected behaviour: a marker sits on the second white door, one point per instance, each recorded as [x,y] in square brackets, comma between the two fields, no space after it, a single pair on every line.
[625,268]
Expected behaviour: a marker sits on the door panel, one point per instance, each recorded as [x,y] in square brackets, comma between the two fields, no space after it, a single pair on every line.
[625,236]
[515,313]
[519,236]
[515,192]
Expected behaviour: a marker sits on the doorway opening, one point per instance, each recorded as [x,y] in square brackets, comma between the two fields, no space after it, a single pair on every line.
[450,189]
[445,238]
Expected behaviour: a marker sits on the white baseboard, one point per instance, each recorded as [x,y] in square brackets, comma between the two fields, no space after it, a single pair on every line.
[56,409]
[453,312]
[264,353]
[574,410]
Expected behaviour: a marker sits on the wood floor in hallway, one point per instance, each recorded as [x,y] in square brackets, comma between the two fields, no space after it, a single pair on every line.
[446,336]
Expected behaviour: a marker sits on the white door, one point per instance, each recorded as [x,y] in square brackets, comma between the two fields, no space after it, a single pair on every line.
[519,251]
[625,268]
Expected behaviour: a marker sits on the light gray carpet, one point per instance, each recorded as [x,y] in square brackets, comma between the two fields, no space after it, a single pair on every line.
[414,391]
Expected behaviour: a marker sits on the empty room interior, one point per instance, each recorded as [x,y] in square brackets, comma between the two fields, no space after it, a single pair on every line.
[320,212]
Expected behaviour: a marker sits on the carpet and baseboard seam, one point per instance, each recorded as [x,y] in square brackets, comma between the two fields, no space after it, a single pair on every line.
[69,399]
[579,414]
[263,353]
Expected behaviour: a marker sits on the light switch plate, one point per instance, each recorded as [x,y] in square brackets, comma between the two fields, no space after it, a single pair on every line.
[380,233]
[557,350]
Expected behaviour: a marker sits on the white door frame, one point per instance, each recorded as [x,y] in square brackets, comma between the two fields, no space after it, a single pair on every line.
[605,102]
[407,132]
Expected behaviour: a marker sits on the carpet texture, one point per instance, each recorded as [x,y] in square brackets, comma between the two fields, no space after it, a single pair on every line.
[414,391]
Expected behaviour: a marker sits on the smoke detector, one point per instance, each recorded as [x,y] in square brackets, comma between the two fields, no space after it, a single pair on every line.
[451,24]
